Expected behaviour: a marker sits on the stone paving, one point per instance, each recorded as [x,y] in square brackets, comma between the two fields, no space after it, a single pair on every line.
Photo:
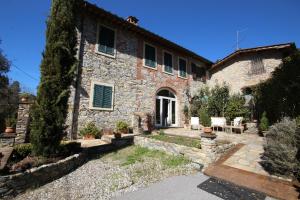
[247,158]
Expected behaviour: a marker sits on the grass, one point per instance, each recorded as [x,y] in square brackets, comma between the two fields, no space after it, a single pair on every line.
[134,154]
[189,142]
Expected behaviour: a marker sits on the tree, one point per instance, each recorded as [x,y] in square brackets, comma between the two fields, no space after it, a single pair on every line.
[279,95]
[4,68]
[235,108]
[218,100]
[57,69]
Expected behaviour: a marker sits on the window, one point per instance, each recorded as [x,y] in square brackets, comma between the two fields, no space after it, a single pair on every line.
[168,62]
[106,41]
[182,68]
[150,56]
[257,66]
[101,97]
[198,72]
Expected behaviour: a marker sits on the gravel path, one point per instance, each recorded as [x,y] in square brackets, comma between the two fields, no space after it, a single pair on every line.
[103,179]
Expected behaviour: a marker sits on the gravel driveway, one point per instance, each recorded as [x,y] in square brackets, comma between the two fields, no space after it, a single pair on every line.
[105,178]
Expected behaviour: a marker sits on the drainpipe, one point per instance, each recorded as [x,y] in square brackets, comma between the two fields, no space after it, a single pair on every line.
[79,58]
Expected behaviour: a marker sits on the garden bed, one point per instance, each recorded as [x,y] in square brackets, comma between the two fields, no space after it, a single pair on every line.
[180,140]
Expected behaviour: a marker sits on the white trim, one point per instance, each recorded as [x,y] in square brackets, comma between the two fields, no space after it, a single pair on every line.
[178,74]
[97,41]
[169,109]
[93,83]
[163,62]
[144,45]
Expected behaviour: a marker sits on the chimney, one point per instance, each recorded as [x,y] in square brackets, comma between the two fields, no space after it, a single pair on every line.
[132,20]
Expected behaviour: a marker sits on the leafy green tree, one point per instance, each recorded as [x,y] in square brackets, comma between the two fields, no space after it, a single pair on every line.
[4,68]
[218,100]
[279,95]
[57,69]
[235,107]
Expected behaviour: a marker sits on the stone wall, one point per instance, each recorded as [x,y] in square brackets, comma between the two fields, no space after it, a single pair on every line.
[135,86]
[23,122]
[201,156]
[237,72]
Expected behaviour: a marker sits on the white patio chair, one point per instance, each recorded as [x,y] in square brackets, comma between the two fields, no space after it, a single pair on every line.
[195,124]
[237,123]
[218,122]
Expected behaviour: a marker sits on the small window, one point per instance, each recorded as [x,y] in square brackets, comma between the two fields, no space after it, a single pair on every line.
[257,66]
[102,96]
[198,72]
[182,68]
[150,56]
[168,63]
[106,41]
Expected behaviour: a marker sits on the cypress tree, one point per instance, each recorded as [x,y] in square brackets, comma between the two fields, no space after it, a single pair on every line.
[57,69]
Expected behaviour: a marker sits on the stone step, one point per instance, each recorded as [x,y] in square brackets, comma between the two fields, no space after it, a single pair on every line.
[107,138]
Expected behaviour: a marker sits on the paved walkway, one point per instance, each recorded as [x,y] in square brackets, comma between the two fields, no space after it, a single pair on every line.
[175,188]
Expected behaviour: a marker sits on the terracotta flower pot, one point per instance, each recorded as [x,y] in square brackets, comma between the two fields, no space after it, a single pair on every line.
[118,135]
[88,137]
[207,130]
[9,130]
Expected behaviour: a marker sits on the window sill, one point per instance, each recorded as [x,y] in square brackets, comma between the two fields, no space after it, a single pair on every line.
[101,109]
[150,67]
[183,77]
[169,73]
[105,54]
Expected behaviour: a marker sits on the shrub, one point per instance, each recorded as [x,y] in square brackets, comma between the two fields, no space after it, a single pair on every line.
[122,126]
[204,118]
[264,122]
[69,148]
[10,122]
[279,157]
[22,150]
[235,108]
[186,113]
[90,129]
[218,99]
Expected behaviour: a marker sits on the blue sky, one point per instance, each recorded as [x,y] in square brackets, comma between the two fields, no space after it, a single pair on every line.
[207,27]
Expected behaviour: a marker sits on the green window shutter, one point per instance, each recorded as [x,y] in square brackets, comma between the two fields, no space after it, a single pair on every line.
[182,68]
[102,96]
[98,96]
[107,97]
[168,62]
[150,56]
[106,40]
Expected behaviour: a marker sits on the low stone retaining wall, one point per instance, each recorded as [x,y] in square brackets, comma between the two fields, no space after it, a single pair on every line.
[11,185]
[199,156]
[14,184]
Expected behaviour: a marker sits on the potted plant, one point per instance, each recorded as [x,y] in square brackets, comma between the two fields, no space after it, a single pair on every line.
[90,131]
[24,97]
[122,128]
[205,121]
[10,124]
[264,124]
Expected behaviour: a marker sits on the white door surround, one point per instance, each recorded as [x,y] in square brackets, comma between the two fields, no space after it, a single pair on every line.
[165,109]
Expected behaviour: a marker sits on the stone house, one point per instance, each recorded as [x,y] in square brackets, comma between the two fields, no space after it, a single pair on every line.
[247,67]
[126,71]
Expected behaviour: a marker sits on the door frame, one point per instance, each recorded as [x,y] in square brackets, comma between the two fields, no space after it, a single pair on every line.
[169,110]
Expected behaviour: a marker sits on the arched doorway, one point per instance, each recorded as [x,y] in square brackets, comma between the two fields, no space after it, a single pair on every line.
[165,109]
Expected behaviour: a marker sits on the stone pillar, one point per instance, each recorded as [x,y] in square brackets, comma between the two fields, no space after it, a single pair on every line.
[23,122]
[209,146]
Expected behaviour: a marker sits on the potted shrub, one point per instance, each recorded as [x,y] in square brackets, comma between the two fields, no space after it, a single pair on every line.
[122,128]
[10,124]
[24,97]
[264,124]
[90,131]
[205,121]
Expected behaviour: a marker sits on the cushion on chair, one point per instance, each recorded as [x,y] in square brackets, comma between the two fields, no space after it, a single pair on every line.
[237,121]
[218,121]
